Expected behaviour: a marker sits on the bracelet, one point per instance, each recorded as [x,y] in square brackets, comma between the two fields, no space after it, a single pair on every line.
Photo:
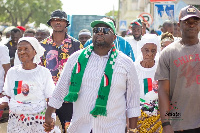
[133,130]
[165,123]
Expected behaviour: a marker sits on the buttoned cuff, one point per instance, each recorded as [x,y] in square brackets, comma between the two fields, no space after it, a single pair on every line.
[55,103]
[134,112]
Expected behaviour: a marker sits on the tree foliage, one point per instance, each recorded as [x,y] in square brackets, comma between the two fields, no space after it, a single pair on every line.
[113,14]
[21,12]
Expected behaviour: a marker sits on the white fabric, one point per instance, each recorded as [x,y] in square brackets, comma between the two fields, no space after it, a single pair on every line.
[123,97]
[16,60]
[144,73]
[40,85]
[4,99]
[4,59]
[84,33]
[148,38]
[134,45]
[36,45]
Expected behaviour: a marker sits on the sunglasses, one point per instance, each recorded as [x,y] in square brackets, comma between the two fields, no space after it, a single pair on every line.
[104,30]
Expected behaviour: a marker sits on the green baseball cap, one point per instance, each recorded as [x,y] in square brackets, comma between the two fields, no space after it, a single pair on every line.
[104,21]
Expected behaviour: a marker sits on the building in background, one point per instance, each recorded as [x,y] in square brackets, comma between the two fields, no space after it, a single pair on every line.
[160,10]
[79,22]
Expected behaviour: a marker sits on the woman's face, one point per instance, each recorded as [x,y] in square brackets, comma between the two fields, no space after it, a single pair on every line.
[149,51]
[25,52]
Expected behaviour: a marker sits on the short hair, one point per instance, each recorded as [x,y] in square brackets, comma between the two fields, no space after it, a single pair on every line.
[15,30]
[167,22]
[30,31]
[44,30]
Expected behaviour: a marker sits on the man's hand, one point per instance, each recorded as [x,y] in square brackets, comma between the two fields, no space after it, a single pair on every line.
[49,124]
[49,121]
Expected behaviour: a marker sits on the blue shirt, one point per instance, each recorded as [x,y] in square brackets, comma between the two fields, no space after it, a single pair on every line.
[121,44]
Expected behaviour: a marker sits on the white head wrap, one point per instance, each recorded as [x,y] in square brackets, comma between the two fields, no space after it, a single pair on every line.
[148,38]
[36,45]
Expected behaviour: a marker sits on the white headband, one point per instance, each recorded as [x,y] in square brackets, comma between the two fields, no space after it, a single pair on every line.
[36,45]
[85,33]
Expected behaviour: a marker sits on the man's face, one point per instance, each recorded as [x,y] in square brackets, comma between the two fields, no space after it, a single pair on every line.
[190,27]
[28,35]
[168,27]
[41,35]
[103,36]
[58,24]
[25,89]
[137,32]
[83,38]
[15,37]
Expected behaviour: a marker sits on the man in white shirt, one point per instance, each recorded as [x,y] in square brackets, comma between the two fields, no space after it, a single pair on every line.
[103,85]
[136,27]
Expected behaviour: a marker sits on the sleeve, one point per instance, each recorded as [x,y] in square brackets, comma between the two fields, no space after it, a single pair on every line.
[4,55]
[49,84]
[88,42]
[62,86]
[7,86]
[133,93]
[163,69]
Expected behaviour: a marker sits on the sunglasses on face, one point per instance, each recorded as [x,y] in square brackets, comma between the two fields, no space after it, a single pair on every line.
[104,30]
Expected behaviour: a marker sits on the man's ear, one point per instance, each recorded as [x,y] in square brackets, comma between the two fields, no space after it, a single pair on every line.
[115,37]
[162,29]
[179,23]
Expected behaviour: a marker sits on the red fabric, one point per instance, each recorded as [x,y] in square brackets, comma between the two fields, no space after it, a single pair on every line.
[21,28]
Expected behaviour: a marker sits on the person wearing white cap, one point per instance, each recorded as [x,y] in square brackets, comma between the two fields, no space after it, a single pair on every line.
[26,88]
[146,65]
[178,76]
[84,35]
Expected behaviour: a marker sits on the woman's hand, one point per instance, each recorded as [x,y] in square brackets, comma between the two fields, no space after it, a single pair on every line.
[49,124]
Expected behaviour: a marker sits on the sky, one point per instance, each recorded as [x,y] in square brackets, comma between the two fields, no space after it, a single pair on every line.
[89,7]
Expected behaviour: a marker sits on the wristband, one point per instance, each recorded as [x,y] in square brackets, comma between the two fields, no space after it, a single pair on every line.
[165,124]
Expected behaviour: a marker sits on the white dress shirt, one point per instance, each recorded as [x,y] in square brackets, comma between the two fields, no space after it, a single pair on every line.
[123,99]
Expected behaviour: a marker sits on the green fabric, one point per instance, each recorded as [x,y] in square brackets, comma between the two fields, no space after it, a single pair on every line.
[104,21]
[104,89]
[136,22]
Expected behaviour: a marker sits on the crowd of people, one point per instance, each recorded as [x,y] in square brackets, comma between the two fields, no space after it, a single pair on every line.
[103,82]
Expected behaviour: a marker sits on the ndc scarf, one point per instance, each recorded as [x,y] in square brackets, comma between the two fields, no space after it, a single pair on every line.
[104,89]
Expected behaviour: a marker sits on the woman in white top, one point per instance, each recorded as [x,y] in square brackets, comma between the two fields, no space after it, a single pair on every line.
[146,65]
[27,86]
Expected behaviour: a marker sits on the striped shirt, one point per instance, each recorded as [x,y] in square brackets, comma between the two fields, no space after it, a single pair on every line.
[123,98]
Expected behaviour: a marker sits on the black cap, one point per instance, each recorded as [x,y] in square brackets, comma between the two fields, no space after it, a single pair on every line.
[58,14]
